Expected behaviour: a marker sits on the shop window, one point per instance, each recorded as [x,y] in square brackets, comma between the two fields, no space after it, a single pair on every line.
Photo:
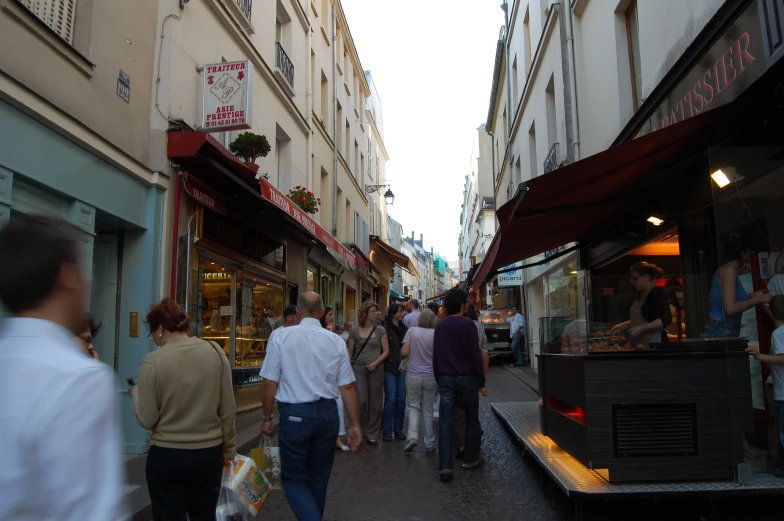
[311,281]
[260,303]
[213,309]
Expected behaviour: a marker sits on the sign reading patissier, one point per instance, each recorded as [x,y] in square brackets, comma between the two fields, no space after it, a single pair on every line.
[227,96]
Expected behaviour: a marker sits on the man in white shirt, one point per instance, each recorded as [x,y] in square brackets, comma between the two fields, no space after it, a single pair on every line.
[305,368]
[59,435]
[411,319]
[517,330]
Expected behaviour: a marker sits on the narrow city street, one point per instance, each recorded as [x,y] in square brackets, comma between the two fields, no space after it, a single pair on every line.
[382,483]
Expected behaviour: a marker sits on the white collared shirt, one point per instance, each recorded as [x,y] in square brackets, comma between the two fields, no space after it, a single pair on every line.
[517,322]
[412,319]
[59,428]
[308,362]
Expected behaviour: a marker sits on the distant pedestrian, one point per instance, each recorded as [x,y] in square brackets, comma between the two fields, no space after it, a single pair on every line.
[517,330]
[184,396]
[412,315]
[394,379]
[421,386]
[347,327]
[434,307]
[368,347]
[305,369]
[327,322]
[59,427]
[291,316]
[458,369]
[87,335]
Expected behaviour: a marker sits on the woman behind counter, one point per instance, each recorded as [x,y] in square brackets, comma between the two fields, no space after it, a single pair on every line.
[650,312]
[728,299]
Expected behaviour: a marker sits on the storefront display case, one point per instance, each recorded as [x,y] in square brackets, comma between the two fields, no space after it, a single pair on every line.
[497,325]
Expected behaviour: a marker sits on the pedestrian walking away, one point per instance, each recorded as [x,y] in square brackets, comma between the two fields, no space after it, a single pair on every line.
[368,347]
[305,370]
[184,397]
[60,439]
[327,322]
[420,383]
[394,378]
[459,371]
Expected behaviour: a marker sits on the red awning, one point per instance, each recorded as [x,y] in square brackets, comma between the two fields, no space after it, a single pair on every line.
[192,148]
[570,203]
[440,295]
[398,257]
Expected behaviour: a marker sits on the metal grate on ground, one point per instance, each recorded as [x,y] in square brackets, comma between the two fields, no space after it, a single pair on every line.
[522,418]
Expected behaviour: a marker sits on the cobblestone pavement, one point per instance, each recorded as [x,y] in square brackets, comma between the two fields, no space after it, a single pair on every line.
[383,484]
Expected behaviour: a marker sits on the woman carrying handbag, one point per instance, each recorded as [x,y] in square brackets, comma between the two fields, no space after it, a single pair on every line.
[183,395]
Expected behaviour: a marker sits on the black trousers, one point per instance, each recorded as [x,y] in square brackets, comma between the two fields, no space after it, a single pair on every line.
[184,481]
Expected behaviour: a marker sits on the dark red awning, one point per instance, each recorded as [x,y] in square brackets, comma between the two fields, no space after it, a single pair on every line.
[566,205]
[398,257]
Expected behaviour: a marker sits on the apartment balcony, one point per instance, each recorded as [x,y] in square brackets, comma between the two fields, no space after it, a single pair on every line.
[551,161]
[284,69]
[246,7]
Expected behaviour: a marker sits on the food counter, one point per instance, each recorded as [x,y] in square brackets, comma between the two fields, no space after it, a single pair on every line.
[636,415]
[497,326]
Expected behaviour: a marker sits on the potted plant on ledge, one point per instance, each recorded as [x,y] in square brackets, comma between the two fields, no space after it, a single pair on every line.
[249,147]
[305,199]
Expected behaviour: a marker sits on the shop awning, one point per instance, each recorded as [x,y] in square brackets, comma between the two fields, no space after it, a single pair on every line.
[199,150]
[397,257]
[570,203]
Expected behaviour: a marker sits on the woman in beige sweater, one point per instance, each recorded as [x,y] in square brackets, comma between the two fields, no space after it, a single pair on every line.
[184,397]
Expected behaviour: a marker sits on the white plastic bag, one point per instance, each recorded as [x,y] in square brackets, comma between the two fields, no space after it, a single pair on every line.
[243,492]
[231,506]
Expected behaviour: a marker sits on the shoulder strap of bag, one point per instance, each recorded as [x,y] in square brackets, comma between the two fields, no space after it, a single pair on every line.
[217,351]
[354,361]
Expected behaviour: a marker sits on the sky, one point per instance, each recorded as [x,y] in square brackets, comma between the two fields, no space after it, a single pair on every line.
[432,63]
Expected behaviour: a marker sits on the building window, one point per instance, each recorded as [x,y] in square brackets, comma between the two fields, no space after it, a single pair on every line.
[58,15]
[527,43]
[324,99]
[633,40]
[532,149]
[515,79]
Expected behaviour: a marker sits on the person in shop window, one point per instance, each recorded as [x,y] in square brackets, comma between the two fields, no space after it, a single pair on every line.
[517,330]
[650,313]
[728,299]
[776,361]
[88,333]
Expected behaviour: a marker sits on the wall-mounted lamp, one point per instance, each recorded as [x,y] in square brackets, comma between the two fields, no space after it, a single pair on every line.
[725,176]
[389,197]
[655,220]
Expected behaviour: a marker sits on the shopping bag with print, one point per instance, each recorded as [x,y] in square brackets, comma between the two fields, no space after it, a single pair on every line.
[271,466]
[231,505]
[248,481]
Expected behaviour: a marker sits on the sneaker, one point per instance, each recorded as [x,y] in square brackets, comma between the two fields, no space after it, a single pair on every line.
[387,437]
[445,475]
[410,445]
[400,436]
[475,465]
[372,442]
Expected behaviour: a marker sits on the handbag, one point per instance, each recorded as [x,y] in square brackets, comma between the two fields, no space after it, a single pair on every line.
[354,361]
[267,458]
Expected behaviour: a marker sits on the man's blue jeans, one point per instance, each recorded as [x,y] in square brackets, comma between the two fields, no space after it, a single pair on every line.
[307,450]
[517,348]
[394,402]
[467,389]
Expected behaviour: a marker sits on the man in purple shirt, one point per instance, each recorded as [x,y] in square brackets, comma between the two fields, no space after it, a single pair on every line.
[458,368]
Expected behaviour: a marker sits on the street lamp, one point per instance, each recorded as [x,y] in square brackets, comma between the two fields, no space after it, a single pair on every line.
[389,197]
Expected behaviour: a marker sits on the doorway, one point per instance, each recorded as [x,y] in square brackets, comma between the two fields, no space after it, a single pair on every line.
[105,294]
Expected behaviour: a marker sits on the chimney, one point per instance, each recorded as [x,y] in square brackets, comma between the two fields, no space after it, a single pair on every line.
[422,239]
[412,237]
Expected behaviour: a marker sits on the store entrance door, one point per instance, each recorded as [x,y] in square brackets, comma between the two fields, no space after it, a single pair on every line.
[351,305]
[105,293]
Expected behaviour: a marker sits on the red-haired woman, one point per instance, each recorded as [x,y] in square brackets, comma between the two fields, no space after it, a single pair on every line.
[184,397]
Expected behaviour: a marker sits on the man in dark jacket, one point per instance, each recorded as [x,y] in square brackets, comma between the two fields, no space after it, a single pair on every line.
[459,371]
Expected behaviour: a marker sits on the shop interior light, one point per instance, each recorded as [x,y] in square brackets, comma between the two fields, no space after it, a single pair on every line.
[720,178]
[655,220]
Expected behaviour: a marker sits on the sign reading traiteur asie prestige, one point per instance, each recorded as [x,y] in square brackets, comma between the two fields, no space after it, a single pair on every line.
[228,92]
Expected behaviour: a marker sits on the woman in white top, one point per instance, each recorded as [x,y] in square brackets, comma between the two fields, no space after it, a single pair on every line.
[421,384]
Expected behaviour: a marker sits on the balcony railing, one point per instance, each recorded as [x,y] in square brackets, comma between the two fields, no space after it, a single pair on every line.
[245,6]
[551,161]
[284,64]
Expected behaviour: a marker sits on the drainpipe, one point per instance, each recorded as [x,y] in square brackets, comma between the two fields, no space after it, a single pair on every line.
[563,12]
[495,202]
[335,121]
[175,240]
[509,115]
[568,29]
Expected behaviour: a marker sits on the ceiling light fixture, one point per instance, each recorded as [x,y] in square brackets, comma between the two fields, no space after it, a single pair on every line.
[720,178]
[655,220]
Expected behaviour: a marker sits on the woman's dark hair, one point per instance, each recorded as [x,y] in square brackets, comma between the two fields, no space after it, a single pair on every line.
[732,248]
[89,323]
[168,314]
[323,319]
[646,268]
[435,308]
[391,312]
[471,311]
[454,301]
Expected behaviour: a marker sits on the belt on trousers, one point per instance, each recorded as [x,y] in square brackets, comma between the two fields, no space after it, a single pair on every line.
[284,404]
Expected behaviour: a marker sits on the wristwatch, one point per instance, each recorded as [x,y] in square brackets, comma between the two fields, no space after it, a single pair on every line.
[264,419]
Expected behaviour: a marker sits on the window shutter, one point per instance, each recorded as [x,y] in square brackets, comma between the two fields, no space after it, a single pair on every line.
[58,15]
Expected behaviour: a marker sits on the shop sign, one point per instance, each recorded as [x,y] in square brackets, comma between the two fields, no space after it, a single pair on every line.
[227,96]
[463,267]
[733,63]
[276,197]
[203,194]
[511,278]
